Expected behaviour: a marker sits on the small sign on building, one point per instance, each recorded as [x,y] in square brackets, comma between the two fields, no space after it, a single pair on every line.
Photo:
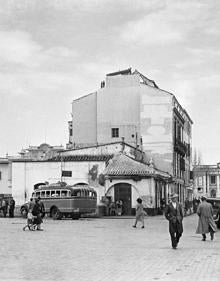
[66,173]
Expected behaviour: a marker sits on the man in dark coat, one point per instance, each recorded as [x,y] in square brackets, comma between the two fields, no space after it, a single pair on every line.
[42,208]
[174,215]
[37,213]
[206,222]
[11,208]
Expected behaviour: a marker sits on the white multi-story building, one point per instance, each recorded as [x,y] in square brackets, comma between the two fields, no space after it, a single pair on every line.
[132,108]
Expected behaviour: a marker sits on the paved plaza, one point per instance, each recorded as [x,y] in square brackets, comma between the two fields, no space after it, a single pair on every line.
[105,249]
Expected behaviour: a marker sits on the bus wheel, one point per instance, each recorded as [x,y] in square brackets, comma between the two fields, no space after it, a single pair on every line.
[55,214]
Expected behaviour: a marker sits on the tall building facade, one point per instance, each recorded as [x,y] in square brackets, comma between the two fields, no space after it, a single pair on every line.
[132,108]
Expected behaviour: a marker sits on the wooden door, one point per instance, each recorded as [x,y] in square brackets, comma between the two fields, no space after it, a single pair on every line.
[123,192]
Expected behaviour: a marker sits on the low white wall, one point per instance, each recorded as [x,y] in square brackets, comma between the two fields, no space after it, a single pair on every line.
[26,174]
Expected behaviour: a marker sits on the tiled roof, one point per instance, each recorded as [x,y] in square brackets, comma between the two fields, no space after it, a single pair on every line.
[122,164]
[83,157]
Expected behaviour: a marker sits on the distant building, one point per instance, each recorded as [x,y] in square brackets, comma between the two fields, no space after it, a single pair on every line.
[132,108]
[33,153]
[41,152]
[5,177]
[206,179]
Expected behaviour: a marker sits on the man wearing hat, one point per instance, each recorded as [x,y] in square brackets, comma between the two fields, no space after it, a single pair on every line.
[206,222]
[174,215]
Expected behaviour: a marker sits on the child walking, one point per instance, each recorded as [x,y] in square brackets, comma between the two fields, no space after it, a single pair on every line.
[140,213]
[30,221]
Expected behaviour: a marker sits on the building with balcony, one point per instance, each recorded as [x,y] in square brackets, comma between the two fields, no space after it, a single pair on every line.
[131,107]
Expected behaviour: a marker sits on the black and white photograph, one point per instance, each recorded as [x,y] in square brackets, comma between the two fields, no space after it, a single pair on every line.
[109,140]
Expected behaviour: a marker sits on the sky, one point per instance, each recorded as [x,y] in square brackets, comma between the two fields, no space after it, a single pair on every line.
[54,51]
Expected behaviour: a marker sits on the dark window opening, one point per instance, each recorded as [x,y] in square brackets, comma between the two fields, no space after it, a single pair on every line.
[115,132]
[213,179]
[66,173]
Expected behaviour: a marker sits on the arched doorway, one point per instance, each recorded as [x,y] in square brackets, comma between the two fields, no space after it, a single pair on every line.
[122,192]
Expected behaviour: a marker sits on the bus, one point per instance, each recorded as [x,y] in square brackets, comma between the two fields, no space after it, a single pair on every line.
[62,200]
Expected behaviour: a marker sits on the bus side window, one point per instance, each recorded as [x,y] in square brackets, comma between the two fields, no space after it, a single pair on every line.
[42,194]
[76,192]
[37,193]
[48,193]
[57,193]
[53,193]
[64,193]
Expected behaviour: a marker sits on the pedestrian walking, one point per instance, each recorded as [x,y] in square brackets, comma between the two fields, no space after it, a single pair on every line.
[11,208]
[42,208]
[206,222]
[4,207]
[162,205]
[196,203]
[37,212]
[140,213]
[31,204]
[174,215]
[30,221]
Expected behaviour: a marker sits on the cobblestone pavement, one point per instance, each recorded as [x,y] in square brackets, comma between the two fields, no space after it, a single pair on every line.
[106,250]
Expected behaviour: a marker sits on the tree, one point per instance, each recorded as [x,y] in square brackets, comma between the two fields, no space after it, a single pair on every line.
[197,157]
[194,158]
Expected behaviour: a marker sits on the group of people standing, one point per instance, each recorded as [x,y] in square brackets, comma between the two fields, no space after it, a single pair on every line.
[8,204]
[36,212]
[174,214]
[115,208]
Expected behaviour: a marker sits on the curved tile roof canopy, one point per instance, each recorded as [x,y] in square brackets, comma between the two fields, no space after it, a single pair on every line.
[123,165]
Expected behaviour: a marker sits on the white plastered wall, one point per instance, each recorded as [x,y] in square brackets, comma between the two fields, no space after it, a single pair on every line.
[144,188]
[25,175]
